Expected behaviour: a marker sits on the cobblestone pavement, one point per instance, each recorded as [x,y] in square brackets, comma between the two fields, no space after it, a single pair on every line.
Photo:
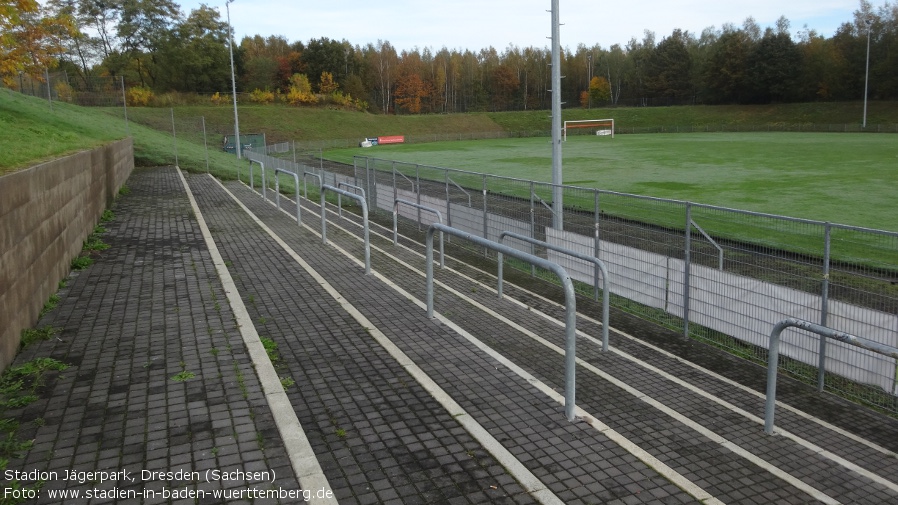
[396,407]
[158,379]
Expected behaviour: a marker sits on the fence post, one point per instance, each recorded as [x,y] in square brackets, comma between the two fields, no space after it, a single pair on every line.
[532,226]
[395,189]
[448,200]
[485,219]
[596,247]
[124,106]
[418,192]
[174,136]
[205,143]
[686,270]
[824,305]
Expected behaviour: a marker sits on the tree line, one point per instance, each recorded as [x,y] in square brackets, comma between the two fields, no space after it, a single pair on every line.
[151,44]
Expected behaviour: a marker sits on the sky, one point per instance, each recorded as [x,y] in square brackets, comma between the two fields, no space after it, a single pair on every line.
[479,24]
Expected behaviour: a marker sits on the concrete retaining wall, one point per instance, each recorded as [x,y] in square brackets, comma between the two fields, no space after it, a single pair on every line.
[46,213]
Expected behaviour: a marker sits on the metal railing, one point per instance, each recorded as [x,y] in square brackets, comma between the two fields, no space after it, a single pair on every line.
[324,189]
[570,300]
[599,266]
[305,188]
[277,191]
[419,207]
[665,271]
[824,332]
[720,283]
[341,185]
[252,180]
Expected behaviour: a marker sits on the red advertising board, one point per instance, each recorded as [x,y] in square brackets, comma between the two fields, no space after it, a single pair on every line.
[391,139]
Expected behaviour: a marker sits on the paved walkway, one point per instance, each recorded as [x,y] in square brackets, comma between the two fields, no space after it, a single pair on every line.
[168,374]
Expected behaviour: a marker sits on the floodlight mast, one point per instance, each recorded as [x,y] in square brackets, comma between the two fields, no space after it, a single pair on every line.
[233,83]
[557,191]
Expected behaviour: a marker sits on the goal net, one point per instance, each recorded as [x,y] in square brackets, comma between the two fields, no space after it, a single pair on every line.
[600,126]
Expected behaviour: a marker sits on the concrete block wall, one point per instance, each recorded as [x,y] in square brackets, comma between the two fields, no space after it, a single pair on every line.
[46,213]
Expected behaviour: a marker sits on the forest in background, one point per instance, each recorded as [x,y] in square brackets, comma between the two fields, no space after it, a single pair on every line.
[154,48]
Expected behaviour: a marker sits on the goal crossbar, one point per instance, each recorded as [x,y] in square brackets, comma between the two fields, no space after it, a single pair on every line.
[603,125]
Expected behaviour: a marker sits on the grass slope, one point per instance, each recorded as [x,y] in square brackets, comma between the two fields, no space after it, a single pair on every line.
[32,130]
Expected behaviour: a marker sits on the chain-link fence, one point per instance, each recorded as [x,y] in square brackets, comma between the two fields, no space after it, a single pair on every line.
[718,275]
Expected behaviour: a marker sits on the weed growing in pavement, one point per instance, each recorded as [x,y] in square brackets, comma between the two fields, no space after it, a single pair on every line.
[51,304]
[32,335]
[81,262]
[19,386]
[183,376]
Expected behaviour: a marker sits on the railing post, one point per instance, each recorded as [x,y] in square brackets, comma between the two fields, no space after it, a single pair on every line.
[595,249]
[532,226]
[687,260]
[277,188]
[448,200]
[570,301]
[365,227]
[824,306]
[323,218]
[485,219]
[418,192]
[395,188]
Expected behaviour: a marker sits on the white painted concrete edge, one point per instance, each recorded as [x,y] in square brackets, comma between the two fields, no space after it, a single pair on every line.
[528,481]
[305,465]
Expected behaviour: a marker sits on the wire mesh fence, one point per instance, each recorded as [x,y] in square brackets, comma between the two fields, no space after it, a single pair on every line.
[719,275]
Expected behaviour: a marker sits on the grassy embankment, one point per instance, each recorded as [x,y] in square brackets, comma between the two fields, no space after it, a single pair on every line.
[31,130]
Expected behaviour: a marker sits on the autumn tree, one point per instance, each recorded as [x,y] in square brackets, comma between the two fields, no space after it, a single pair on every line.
[504,84]
[599,90]
[326,84]
[410,92]
[29,39]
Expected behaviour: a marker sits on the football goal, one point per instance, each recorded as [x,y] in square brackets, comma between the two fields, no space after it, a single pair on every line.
[601,126]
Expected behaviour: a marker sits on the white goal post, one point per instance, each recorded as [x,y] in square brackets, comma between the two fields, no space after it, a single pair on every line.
[602,126]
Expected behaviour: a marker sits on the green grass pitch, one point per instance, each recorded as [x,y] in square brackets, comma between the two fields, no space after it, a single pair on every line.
[842,178]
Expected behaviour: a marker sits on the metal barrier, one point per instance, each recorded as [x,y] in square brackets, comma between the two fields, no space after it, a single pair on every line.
[823,331]
[340,199]
[570,301]
[324,189]
[599,266]
[251,181]
[420,207]
[277,190]
[305,188]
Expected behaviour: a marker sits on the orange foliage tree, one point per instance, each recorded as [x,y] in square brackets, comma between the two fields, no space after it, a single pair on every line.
[29,41]
[410,93]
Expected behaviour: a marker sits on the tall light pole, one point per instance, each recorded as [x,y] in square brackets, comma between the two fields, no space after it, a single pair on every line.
[869,23]
[233,83]
[557,180]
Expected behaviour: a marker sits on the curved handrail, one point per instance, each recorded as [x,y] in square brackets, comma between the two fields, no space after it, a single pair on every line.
[570,301]
[597,262]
